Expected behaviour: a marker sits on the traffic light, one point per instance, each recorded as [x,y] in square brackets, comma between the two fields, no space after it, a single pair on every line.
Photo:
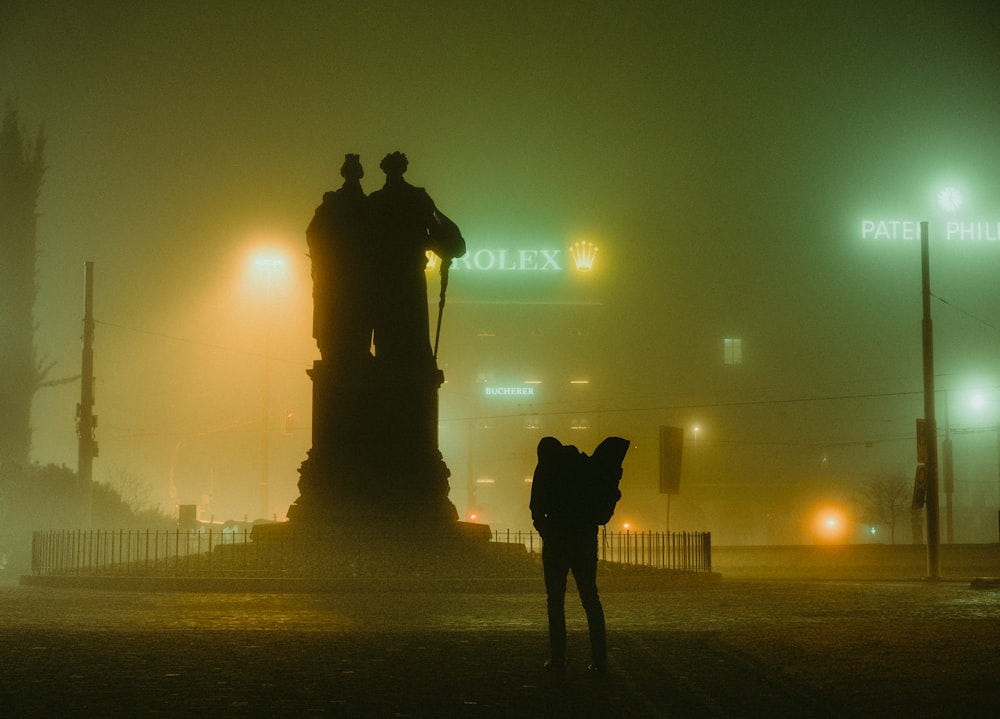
[671,449]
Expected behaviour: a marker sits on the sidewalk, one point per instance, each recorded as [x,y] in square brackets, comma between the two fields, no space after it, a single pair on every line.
[715,649]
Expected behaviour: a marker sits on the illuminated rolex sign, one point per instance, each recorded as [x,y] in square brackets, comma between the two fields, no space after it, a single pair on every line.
[489,260]
[580,257]
[950,200]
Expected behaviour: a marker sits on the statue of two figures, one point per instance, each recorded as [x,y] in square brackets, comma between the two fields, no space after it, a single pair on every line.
[375,457]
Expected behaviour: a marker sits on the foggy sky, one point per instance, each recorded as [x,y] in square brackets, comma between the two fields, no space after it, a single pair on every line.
[722,155]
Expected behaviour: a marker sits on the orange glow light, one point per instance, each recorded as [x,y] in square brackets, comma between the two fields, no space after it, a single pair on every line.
[830,525]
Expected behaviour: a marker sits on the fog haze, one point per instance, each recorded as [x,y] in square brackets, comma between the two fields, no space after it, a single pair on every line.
[723,157]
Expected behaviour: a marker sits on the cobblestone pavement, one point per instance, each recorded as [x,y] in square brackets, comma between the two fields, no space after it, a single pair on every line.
[705,649]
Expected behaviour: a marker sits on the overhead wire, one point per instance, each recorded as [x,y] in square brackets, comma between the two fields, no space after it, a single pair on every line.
[965,312]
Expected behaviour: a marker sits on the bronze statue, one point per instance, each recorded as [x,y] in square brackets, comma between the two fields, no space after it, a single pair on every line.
[406,224]
[339,239]
[375,418]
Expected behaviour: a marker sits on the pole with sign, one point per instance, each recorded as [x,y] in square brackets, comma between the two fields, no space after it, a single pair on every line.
[929,441]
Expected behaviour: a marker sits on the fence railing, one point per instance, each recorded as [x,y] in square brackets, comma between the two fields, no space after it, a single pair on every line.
[678,551]
[145,552]
[211,552]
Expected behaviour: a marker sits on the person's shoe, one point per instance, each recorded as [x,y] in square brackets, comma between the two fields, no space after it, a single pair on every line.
[598,669]
[556,666]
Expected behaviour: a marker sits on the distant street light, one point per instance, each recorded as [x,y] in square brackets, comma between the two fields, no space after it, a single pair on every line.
[694,451]
[973,408]
[980,402]
[270,265]
[948,474]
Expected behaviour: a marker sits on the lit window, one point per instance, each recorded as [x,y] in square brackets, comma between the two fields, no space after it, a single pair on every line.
[733,351]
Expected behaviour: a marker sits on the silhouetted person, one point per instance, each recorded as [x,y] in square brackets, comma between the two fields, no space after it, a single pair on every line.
[562,512]
[339,238]
[407,224]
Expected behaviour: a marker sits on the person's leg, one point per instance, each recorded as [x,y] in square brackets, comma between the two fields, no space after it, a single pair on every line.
[555,567]
[584,566]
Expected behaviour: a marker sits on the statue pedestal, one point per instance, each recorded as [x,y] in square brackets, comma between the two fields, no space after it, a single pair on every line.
[374,457]
[379,552]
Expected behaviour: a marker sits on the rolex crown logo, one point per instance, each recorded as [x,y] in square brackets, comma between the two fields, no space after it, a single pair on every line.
[583,253]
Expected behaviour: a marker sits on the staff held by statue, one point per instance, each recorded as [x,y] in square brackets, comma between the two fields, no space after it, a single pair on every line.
[445,233]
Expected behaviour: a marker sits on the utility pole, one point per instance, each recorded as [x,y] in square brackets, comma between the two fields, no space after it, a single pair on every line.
[86,421]
[269,266]
[933,524]
[265,443]
[948,475]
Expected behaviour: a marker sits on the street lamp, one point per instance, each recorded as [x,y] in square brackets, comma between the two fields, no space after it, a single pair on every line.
[694,452]
[270,265]
[979,401]
[948,473]
[973,409]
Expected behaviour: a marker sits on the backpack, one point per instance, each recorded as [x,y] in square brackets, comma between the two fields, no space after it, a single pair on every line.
[605,472]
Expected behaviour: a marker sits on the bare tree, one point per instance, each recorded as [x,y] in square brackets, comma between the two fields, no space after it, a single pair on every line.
[130,487]
[885,500]
[21,372]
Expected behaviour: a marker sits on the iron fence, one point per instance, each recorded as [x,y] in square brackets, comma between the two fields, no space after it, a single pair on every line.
[143,552]
[677,551]
[211,552]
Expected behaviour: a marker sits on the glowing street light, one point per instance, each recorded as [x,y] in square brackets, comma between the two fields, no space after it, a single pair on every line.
[270,265]
[973,408]
[981,404]
[978,401]
[694,453]
[269,262]
[830,524]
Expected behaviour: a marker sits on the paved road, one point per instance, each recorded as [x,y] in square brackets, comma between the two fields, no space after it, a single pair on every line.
[707,649]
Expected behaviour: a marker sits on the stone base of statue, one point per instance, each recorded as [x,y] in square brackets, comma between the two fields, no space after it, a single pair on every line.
[374,457]
[460,550]
[373,491]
